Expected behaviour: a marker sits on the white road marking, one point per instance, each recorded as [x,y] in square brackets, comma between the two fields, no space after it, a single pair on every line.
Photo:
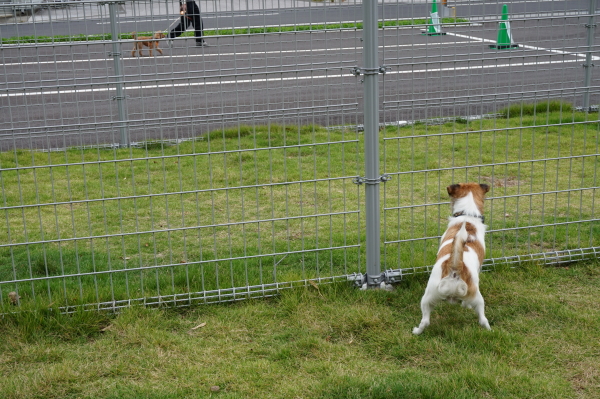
[276,79]
[187,56]
[328,76]
[473,38]
[472,3]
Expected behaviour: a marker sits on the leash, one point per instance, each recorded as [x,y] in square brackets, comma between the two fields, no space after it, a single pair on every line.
[170,28]
[172,25]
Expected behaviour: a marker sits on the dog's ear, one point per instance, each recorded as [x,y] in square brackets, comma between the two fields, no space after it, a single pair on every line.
[485,187]
[452,189]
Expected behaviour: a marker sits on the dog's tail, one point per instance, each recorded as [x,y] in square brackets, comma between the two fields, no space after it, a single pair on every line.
[134,35]
[452,285]
[458,247]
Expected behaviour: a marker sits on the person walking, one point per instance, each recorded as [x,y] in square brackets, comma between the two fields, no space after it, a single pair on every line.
[190,14]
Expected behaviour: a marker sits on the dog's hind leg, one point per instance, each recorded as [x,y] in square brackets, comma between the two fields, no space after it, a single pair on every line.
[426,307]
[478,304]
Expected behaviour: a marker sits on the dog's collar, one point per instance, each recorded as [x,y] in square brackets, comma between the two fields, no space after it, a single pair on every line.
[457,214]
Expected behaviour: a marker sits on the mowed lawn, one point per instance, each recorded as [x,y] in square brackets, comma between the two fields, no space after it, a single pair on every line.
[328,342]
[156,220]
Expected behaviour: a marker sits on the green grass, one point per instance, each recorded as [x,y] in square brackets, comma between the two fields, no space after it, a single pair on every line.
[237,207]
[517,110]
[221,32]
[330,342]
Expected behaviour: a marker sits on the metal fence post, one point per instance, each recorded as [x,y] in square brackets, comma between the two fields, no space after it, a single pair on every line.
[591,27]
[372,179]
[116,54]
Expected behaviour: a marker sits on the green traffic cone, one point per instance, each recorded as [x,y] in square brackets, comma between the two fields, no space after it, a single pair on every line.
[435,27]
[504,39]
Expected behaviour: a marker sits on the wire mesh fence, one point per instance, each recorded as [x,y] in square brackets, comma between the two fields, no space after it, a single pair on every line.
[465,114]
[227,171]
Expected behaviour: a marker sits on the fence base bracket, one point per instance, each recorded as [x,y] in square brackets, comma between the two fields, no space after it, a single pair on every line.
[591,108]
[383,281]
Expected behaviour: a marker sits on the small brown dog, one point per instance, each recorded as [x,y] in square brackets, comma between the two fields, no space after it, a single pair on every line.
[149,41]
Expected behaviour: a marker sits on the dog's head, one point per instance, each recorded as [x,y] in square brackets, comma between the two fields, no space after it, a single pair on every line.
[159,35]
[462,190]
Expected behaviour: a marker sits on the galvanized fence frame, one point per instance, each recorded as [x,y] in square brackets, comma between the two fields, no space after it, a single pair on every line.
[511,240]
[162,197]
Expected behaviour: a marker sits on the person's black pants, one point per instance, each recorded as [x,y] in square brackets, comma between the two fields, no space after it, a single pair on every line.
[191,17]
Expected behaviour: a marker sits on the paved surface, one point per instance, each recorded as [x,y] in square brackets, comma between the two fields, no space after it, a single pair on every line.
[61,95]
[91,18]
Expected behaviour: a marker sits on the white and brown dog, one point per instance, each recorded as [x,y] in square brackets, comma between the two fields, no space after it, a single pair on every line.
[455,275]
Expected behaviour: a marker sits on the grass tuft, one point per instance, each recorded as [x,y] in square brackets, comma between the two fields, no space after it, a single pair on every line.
[43,323]
[522,109]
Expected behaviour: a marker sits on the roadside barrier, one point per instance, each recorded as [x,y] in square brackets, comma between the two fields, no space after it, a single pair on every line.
[435,26]
[504,40]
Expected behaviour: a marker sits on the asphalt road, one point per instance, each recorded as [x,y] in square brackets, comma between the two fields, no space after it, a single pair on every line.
[88,19]
[55,96]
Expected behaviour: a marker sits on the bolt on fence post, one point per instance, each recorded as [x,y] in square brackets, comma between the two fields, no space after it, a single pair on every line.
[591,26]
[116,54]
[371,133]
